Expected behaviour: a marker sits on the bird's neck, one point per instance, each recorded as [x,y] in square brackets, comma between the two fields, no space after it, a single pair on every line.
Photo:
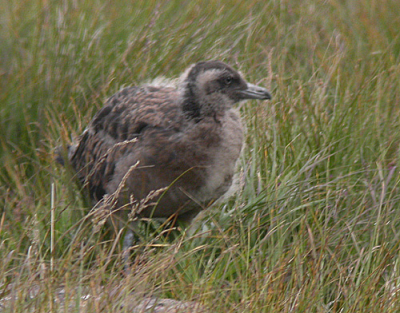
[190,106]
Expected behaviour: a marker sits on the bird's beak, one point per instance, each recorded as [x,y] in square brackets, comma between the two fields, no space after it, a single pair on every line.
[255,92]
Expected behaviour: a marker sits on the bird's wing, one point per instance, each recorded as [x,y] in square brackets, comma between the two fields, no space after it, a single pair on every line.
[132,109]
[115,128]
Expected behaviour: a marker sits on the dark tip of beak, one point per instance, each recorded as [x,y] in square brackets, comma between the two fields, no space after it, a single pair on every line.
[255,92]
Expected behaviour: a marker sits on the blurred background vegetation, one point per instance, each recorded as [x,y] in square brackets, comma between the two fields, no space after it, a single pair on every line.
[314,226]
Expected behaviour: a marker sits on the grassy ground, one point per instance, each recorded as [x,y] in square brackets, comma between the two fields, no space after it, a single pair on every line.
[315,227]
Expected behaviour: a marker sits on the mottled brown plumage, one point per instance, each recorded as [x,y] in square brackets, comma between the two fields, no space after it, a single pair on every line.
[186,138]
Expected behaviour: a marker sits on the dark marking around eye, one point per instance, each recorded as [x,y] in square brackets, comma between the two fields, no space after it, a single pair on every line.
[228,80]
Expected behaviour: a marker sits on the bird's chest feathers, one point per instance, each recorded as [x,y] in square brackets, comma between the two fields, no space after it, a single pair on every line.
[222,144]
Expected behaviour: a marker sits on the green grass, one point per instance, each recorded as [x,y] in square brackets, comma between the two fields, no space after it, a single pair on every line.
[315,226]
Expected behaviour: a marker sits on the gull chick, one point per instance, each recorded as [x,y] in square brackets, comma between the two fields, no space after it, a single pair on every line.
[182,141]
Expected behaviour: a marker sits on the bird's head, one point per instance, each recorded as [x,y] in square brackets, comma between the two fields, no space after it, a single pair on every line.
[213,86]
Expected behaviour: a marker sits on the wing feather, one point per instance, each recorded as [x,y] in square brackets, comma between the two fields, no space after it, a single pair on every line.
[113,130]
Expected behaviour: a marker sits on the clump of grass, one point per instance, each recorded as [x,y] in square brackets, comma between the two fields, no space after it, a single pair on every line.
[314,226]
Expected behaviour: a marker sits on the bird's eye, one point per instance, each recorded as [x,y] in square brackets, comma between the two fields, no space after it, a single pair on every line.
[228,80]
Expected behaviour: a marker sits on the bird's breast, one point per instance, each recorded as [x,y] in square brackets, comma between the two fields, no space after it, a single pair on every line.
[222,156]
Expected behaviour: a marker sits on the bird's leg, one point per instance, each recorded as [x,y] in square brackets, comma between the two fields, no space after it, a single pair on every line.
[127,244]
[129,239]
